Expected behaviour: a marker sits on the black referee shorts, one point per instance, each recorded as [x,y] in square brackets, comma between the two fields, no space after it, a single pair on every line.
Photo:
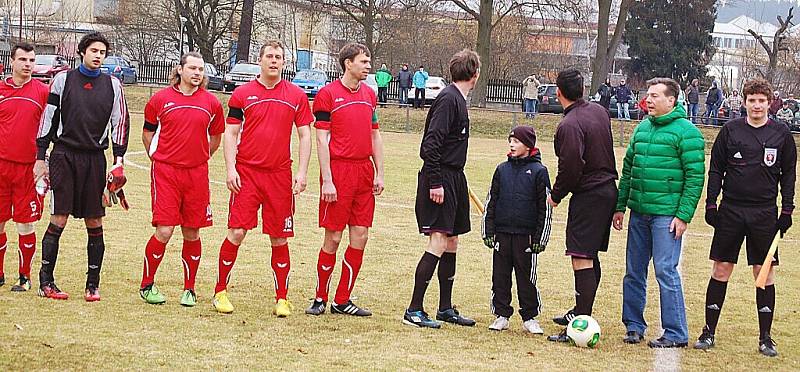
[77,180]
[589,220]
[450,217]
[734,224]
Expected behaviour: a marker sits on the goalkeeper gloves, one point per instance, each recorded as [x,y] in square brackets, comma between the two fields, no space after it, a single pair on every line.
[537,248]
[489,242]
[114,183]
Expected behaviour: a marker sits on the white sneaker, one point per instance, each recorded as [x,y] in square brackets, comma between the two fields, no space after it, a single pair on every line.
[499,324]
[532,326]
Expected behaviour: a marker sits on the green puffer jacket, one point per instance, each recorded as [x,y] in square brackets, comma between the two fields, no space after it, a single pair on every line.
[664,167]
[383,77]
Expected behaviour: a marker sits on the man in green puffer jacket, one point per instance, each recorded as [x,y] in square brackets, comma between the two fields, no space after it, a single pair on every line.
[662,179]
[382,77]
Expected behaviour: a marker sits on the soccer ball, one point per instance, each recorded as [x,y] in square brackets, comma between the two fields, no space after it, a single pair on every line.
[583,331]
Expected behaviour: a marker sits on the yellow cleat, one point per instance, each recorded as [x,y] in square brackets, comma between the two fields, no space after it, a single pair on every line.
[221,303]
[283,308]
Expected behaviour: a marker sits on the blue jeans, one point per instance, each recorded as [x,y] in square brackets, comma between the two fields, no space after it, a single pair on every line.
[529,106]
[403,95]
[649,237]
[622,111]
[693,110]
[711,114]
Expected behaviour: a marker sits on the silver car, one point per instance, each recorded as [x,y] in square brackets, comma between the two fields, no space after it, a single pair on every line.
[241,74]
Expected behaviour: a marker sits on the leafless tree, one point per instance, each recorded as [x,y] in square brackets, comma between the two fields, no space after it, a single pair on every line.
[208,22]
[607,49]
[778,44]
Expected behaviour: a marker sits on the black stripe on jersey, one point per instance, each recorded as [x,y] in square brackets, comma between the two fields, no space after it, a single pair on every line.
[322,116]
[54,99]
[236,113]
[150,127]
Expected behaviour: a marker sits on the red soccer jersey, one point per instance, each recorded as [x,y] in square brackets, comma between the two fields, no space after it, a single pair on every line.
[266,116]
[350,116]
[21,111]
[182,124]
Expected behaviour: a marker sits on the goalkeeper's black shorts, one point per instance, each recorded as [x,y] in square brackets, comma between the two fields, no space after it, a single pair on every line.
[450,217]
[77,181]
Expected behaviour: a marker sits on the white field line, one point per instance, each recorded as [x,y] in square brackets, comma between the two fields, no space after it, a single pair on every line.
[130,162]
[667,360]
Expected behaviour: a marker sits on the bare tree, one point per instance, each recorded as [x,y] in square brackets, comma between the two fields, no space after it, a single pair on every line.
[245,31]
[778,44]
[208,22]
[607,49]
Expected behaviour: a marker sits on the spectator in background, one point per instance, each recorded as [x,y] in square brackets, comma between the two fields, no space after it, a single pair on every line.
[693,96]
[785,114]
[734,103]
[713,101]
[605,92]
[404,78]
[623,94]
[420,79]
[776,104]
[382,77]
[530,96]
[793,104]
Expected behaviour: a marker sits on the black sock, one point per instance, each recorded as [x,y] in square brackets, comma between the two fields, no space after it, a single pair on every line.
[95,248]
[715,297]
[585,290]
[49,253]
[765,302]
[423,275]
[446,274]
[598,272]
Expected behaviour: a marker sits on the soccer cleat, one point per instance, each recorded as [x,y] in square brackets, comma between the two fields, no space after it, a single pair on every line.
[663,343]
[565,319]
[561,337]
[451,315]
[189,298]
[420,319]
[317,307]
[221,303]
[92,294]
[349,308]
[283,308]
[705,341]
[152,295]
[767,347]
[22,285]
[50,290]
[500,323]
[633,337]
[532,326]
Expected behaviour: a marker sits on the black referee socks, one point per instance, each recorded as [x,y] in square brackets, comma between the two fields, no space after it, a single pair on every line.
[765,302]
[425,267]
[585,290]
[446,274]
[49,252]
[95,247]
[715,297]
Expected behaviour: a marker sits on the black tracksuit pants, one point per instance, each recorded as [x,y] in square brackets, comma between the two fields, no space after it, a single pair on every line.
[514,253]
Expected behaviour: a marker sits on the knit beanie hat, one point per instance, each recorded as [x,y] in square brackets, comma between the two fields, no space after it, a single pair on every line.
[524,134]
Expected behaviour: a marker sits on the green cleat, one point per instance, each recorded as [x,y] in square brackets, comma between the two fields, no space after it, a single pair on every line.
[188,298]
[152,295]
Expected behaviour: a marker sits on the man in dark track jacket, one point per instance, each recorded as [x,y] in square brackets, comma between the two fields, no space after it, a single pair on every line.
[587,169]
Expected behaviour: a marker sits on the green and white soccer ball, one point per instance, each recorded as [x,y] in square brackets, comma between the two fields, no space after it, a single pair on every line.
[583,331]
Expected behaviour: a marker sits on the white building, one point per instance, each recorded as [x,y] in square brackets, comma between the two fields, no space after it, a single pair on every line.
[733,44]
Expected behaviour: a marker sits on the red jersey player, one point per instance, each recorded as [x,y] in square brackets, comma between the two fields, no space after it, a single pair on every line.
[183,127]
[258,159]
[22,101]
[350,152]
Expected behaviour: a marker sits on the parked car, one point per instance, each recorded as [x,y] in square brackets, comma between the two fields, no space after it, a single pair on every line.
[310,81]
[434,85]
[241,74]
[121,69]
[548,103]
[48,65]
[214,77]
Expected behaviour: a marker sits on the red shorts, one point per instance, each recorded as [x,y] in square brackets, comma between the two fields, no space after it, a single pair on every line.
[355,203]
[180,196]
[269,190]
[18,193]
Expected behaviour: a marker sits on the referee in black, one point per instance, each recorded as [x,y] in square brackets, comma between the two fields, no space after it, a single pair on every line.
[85,111]
[442,204]
[750,158]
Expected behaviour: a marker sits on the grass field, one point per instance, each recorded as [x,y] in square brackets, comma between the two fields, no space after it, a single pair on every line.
[121,332]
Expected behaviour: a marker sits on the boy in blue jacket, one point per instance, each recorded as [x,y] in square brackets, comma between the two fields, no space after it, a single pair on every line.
[516,225]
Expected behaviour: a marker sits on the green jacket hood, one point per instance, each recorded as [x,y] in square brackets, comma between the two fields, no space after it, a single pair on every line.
[677,113]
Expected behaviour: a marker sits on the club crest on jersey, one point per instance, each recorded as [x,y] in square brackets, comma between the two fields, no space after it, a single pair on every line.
[769,156]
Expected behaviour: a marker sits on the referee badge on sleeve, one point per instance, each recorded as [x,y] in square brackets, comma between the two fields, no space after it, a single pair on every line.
[769,156]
